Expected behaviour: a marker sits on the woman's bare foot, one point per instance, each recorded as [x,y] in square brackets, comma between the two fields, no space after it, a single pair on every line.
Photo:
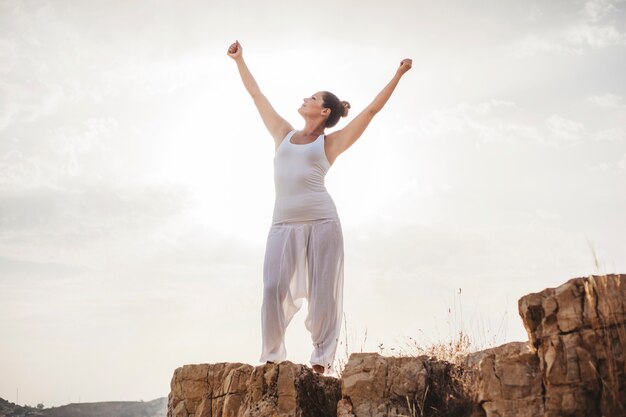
[318,369]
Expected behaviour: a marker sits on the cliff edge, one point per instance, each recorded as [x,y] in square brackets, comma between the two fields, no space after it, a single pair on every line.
[572,366]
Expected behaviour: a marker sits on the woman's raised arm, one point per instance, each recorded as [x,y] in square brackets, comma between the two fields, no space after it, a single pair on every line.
[342,139]
[275,124]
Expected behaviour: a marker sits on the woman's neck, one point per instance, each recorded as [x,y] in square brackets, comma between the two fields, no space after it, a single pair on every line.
[313,128]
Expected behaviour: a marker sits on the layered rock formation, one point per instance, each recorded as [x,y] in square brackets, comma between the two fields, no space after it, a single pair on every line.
[573,366]
[377,386]
[578,332]
[235,389]
[373,385]
[506,381]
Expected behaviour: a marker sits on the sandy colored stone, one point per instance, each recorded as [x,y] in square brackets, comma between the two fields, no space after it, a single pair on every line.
[472,360]
[578,331]
[286,389]
[344,408]
[378,386]
[508,381]
[179,410]
[580,303]
[238,390]
[204,409]
[574,365]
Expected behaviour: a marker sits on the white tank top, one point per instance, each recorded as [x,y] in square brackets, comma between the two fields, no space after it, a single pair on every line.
[299,172]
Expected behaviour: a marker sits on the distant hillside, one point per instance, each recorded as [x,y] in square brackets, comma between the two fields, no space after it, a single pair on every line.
[154,408]
[8,409]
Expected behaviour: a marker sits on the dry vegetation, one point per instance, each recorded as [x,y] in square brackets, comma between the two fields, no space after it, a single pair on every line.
[611,367]
[453,348]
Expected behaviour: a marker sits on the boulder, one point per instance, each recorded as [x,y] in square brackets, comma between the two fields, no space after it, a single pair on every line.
[574,365]
[241,390]
[578,331]
[377,386]
[507,381]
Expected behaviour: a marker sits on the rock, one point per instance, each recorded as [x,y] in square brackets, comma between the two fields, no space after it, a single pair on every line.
[240,390]
[508,380]
[377,386]
[574,365]
[581,303]
[578,331]
[344,408]
[381,386]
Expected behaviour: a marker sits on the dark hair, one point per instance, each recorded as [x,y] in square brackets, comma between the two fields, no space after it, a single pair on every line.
[338,108]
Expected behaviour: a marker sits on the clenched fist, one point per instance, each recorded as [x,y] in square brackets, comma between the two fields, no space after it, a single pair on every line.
[405,65]
[235,50]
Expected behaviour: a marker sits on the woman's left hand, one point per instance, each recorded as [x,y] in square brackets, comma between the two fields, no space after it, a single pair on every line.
[405,65]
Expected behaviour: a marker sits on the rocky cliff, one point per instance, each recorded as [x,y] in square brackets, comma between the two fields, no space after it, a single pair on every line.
[235,389]
[573,365]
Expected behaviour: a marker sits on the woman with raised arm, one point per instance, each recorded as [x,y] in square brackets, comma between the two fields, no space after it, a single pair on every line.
[304,250]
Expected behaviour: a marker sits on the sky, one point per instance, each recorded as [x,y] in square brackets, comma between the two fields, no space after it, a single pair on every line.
[136,184]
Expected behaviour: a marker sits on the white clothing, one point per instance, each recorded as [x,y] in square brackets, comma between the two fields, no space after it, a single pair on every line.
[299,171]
[304,254]
[303,260]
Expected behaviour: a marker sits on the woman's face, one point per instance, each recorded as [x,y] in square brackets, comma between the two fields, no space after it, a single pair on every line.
[313,106]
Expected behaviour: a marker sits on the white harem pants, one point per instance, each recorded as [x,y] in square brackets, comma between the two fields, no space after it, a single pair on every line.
[303,260]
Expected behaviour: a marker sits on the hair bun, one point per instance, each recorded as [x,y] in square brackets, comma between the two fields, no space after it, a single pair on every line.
[346,108]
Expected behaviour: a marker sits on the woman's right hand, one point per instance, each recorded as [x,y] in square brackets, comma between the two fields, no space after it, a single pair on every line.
[235,50]
[405,65]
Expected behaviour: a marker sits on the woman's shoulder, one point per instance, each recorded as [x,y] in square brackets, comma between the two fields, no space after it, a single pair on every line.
[284,136]
[332,136]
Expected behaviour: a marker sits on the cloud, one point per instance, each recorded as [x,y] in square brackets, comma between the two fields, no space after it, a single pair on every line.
[539,214]
[612,167]
[85,219]
[532,44]
[596,10]
[562,131]
[572,31]
[43,156]
[612,134]
[26,269]
[535,14]
[454,254]
[611,109]
[25,102]
[599,167]
[56,58]
[498,121]
[489,121]
[76,144]
[606,100]
[594,36]
[16,168]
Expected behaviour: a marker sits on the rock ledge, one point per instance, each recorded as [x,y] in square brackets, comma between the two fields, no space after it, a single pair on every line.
[574,365]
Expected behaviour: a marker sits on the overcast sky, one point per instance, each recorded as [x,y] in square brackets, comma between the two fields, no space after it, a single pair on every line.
[136,177]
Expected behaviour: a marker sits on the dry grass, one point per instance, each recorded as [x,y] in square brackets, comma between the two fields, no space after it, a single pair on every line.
[451,386]
[609,320]
[610,315]
[608,361]
[458,343]
[452,348]
[345,346]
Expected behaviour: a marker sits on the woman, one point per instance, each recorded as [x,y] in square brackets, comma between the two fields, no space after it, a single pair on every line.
[304,251]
